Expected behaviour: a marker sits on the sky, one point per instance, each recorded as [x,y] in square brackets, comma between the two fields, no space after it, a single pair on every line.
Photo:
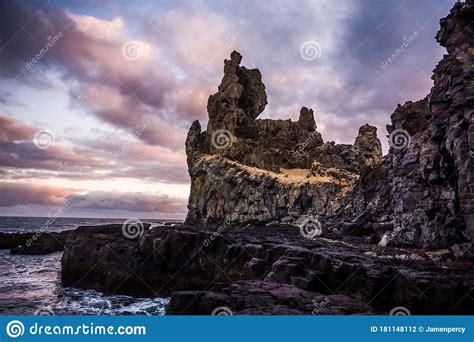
[96,97]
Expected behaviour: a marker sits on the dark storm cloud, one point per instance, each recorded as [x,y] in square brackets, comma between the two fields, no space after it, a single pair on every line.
[121,92]
[16,21]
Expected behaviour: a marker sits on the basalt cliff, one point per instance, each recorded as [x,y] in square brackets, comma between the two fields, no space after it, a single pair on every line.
[247,171]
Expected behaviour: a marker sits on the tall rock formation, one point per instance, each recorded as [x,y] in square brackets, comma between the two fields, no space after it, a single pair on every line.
[245,170]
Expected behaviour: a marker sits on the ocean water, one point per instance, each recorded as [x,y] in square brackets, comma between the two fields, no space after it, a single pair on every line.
[31,284]
[13,224]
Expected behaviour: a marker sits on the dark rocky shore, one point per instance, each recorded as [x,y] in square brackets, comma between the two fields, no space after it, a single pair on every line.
[265,270]
[281,222]
[202,271]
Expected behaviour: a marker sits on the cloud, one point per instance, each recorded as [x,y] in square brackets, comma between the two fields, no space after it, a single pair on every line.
[18,150]
[90,53]
[133,202]
[181,58]
[13,130]
[128,114]
[27,194]
[196,37]
[6,98]
[24,194]
[98,155]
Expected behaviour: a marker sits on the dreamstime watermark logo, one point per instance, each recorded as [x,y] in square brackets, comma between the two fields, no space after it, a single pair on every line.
[221,51]
[319,306]
[407,41]
[44,311]
[43,139]
[51,220]
[399,311]
[222,138]
[132,50]
[133,228]
[298,152]
[222,311]
[415,217]
[399,139]
[52,40]
[311,228]
[139,130]
[220,230]
[15,329]
[310,50]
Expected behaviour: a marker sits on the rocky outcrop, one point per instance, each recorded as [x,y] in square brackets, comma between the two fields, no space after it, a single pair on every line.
[245,170]
[36,243]
[227,192]
[265,270]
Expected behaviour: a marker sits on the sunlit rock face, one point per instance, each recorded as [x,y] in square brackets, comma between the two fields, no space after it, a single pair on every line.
[247,170]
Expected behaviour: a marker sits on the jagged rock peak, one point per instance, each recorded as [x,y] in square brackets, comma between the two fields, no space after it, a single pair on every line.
[369,145]
[241,97]
[367,134]
[236,57]
[411,116]
[307,118]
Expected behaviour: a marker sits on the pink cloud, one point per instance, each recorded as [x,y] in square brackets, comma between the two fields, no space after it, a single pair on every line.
[24,194]
[194,54]
[13,130]
[27,194]
[108,155]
